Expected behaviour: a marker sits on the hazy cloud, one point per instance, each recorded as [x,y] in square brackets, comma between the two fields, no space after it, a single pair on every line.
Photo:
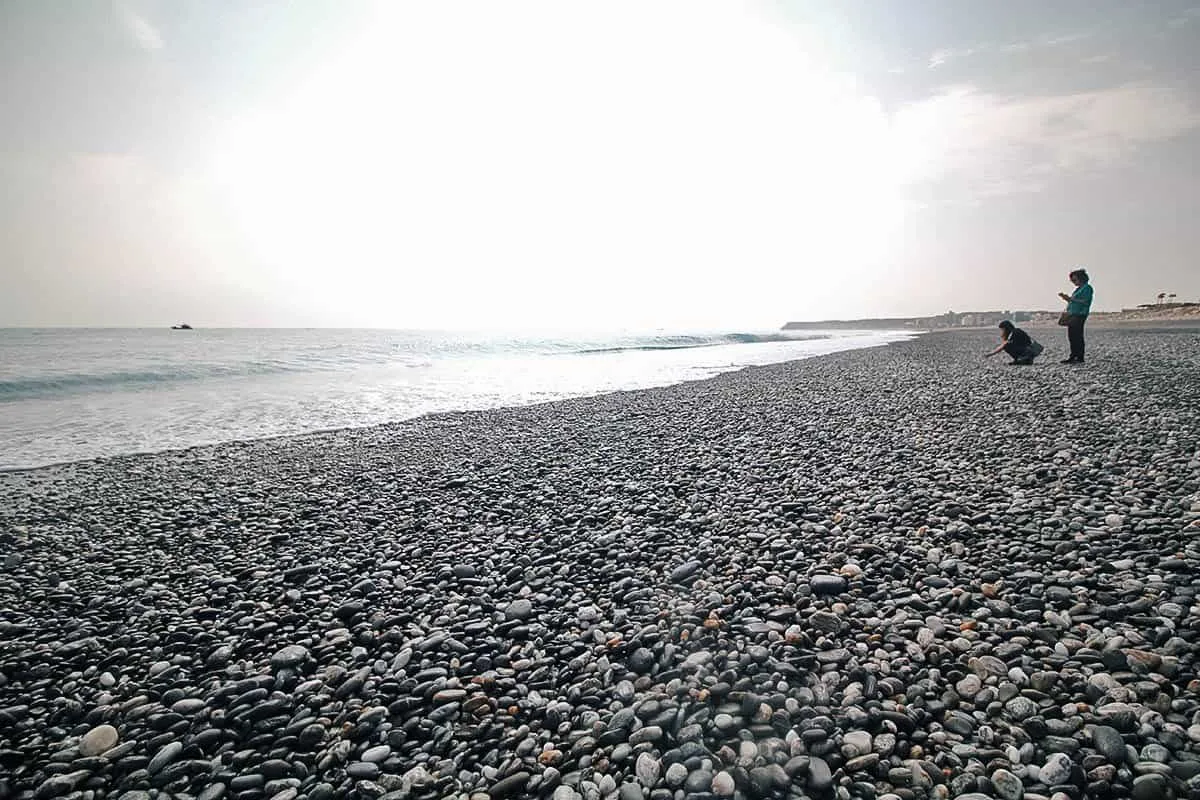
[995,144]
[143,33]
[365,162]
[945,56]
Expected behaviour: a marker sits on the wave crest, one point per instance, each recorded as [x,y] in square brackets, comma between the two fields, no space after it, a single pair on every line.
[690,342]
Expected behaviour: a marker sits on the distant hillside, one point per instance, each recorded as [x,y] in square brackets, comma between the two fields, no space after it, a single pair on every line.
[950,319]
[975,319]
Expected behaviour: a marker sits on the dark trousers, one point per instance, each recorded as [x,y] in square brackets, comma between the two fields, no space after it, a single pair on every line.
[1075,337]
[1023,354]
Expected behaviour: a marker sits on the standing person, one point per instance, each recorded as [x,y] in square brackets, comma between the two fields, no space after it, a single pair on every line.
[1079,305]
[1017,343]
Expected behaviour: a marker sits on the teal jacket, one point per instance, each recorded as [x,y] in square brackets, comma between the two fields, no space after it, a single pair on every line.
[1081,301]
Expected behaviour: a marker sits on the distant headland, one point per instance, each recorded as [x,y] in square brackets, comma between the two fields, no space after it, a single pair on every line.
[1149,312]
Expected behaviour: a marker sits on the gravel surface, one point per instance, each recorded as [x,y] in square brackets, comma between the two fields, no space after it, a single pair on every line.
[903,572]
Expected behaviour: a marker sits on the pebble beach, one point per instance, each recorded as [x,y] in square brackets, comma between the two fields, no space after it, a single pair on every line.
[900,572]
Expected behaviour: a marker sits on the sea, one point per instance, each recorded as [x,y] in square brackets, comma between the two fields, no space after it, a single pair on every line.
[71,394]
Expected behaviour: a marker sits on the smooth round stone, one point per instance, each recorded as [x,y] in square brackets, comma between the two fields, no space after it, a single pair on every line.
[247,783]
[1056,770]
[58,785]
[641,660]
[699,781]
[650,733]
[1156,752]
[189,705]
[520,608]
[685,571]
[820,776]
[291,655]
[1149,787]
[512,785]
[648,769]
[98,740]
[1108,743]
[166,755]
[825,621]
[630,791]
[376,754]
[969,686]
[856,743]
[1172,610]
[723,784]
[464,571]
[960,723]
[676,775]
[1021,708]
[214,791]
[1008,785]
[827,584]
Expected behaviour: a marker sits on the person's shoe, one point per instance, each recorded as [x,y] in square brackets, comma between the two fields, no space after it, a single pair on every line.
[1069,361]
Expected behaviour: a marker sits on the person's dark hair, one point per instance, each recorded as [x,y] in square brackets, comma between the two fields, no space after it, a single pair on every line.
[1079,273]
[1006,326]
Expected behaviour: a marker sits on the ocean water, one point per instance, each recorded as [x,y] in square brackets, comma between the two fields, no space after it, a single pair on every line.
[69,394]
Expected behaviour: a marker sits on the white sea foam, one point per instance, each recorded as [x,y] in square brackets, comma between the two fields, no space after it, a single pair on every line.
[71,394]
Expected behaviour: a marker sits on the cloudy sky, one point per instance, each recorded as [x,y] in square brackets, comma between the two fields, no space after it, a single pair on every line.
[572,162]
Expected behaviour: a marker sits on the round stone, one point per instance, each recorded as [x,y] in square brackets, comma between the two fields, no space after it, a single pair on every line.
[1056,770]
[1108,743]
[291,655]
[1008,785]
[856,743]
[1149,787]
[1020,708]
[969,686]
[98,740]
[827,584]
[648,769]
[519,609]
[820,776]
[376,754]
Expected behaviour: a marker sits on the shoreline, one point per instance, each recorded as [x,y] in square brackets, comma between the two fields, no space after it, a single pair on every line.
[896,572]
[17,470]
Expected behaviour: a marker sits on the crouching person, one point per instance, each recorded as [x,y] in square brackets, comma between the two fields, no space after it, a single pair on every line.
[1017,343]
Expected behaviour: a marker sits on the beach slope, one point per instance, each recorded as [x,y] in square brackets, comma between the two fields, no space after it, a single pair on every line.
[903,571]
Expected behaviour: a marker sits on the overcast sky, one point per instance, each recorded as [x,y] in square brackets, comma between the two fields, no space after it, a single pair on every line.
[616,162]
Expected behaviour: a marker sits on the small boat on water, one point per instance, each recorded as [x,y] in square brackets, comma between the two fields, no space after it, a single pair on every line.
[181,327]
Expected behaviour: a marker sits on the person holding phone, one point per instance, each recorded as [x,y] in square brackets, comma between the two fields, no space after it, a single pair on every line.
[1079,305]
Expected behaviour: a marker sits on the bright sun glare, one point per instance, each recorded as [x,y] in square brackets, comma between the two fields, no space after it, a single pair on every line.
[467,163]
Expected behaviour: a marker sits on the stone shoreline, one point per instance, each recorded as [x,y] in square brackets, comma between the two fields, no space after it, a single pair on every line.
[901,572]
